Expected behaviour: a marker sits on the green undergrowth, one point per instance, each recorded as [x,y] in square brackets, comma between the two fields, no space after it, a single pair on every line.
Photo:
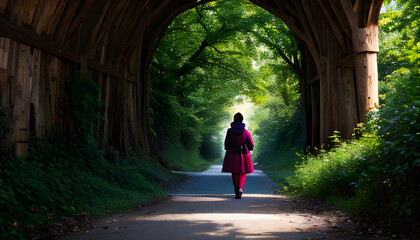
[278,158]
[51,183]
[279,164]
[377,174]
[181,158]
[361,177]
[335,174]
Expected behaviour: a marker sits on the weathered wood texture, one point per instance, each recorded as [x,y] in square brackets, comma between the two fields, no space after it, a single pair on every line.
[112,42]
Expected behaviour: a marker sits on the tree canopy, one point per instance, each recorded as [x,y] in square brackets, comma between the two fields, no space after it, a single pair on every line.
[211,54]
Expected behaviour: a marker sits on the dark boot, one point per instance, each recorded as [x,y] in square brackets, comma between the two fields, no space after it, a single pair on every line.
[237,196]
[240,191]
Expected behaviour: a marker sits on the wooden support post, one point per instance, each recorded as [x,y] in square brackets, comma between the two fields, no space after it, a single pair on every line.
[365,47]
[366,82]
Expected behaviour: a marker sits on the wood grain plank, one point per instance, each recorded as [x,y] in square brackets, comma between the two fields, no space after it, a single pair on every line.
[348,107]
[29,37]
[3,5]
[332,21]
[15,10]
[55,18]
[75,23]
[350,15]
[91,47]
[346,62]
[286,5]
[365,39]
[373,18]
[47,12]
[30,16]
[291,23]
[308,20]
[2,52]
[21,10]
[106,27]
[115,36]
[38,100]
[67,16]
[21,104]
[366,83]
[37,14]
[345,25]
[356,6]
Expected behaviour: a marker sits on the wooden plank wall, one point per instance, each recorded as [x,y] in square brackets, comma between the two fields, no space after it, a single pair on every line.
[33,85]
[30,86]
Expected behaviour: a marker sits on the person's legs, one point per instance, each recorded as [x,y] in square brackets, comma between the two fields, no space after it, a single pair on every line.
[241,179]
[235,179]
[238,179]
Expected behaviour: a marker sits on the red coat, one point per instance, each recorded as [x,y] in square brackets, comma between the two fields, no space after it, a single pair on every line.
[236,161]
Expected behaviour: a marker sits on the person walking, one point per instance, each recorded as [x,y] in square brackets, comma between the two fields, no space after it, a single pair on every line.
[238,143]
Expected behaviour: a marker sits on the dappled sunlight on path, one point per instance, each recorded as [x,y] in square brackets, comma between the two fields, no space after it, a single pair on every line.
[214,214]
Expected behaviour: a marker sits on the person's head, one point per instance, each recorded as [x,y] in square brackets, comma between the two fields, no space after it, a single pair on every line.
[238,117]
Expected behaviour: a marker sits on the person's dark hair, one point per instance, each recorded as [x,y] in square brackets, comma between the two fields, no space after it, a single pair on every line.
[238,117]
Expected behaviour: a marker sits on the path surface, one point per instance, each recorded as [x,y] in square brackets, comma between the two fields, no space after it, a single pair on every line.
[204,208]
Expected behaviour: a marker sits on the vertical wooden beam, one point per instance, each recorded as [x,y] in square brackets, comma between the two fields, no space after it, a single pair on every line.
[367,83]
[315,109]
[21,104]
[39,97]
[347,106]
[365,45]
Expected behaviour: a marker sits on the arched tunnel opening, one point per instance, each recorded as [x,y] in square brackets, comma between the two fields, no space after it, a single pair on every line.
[215,56]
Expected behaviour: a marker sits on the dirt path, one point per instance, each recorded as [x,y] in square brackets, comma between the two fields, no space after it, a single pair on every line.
[204,208]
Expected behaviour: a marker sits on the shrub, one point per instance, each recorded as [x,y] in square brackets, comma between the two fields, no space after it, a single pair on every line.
[384,164]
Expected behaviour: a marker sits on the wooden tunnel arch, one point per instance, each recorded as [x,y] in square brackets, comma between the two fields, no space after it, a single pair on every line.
[113,43]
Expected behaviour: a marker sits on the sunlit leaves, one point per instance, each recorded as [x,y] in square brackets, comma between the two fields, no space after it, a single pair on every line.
[213,53]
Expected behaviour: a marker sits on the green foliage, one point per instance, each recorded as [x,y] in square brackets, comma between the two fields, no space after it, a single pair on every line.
[279,138]
[48,184]
[202,63]
[181,158]
[85,108]
[399,38]
[208,57]
[335,172]
[4,131]
[71,177]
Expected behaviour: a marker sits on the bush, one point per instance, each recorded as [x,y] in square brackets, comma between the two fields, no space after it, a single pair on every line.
[336,172]
[384,164]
